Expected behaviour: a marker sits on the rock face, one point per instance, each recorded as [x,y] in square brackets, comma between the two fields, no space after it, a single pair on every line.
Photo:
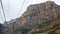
[39,17]
[39,13]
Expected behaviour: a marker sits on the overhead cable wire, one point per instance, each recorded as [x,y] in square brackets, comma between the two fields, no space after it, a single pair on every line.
[21,7]
[3,9]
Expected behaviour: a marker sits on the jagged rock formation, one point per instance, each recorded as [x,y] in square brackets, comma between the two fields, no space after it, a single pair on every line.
[39,18]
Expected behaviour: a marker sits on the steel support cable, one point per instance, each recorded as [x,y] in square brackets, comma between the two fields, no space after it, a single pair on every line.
[21,7]
[3,9]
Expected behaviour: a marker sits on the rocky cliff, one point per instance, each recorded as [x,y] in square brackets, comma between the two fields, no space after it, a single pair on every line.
[40,18]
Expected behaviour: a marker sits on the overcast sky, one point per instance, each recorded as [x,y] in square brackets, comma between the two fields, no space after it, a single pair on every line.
[12,8]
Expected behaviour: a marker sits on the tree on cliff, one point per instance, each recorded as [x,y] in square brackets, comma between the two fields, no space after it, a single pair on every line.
[1,27]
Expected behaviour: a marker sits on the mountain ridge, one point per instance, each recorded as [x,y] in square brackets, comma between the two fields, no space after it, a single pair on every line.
[37,18]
